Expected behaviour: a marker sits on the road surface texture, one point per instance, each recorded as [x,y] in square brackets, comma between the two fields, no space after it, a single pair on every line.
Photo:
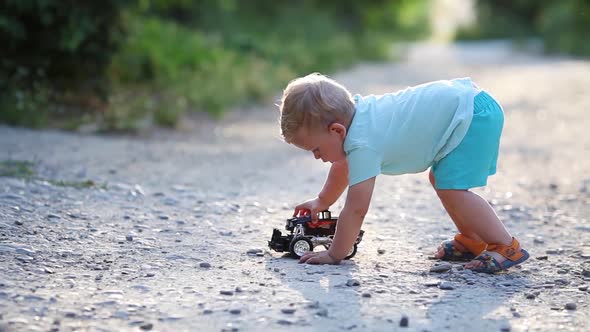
[174,235]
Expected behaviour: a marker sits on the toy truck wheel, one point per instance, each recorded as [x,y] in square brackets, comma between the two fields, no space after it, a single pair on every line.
[300,245]
[352,252]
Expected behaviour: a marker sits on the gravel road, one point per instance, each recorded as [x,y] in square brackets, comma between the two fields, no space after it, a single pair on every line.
[174,236]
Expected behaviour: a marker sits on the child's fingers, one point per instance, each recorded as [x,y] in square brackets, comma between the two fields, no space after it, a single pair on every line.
[314,260]
[298,212]
[306,257]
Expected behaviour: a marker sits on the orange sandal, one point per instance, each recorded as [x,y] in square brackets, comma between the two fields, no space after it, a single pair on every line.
[453,254]
[514,254]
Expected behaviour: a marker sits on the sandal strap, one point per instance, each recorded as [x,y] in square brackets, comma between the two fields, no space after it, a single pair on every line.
[475,247]
[489,263]
[451,253]
[511,251]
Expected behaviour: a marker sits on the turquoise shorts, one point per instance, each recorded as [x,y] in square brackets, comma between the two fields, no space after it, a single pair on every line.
[475,158]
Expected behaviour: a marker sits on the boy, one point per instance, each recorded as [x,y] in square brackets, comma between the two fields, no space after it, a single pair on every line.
[452,127]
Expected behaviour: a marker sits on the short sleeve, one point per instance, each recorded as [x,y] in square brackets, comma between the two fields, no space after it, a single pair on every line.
[363,163]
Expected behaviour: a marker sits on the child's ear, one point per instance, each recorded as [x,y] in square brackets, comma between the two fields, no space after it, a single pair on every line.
[338,129]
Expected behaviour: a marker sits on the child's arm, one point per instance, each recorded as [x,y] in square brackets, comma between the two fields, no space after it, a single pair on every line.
[349,224]
[335,184]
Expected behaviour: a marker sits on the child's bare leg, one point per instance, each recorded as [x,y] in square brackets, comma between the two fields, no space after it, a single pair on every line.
[477,217]
[459,223]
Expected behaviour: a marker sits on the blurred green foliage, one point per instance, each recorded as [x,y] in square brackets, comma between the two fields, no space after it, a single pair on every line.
[563,25]
[50,46]
[149,61]
[17,169]
[24,169]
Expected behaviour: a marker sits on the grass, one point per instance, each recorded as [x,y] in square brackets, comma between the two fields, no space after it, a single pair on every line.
[17,169]
[77,184]
[24,169]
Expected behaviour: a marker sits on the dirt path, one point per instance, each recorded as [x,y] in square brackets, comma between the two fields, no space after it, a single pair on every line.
[164,245]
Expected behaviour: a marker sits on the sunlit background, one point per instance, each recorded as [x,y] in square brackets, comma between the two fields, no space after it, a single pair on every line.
[125,65]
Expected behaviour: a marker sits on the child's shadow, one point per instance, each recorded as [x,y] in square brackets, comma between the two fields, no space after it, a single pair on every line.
[317,292]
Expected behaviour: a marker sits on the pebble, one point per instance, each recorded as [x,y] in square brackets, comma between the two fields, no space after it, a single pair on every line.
[404,321]
[446,285]
[120,314]
[571,306]
[313,305]
[353,282]
[367,295]
[170,201]
[443,267]
[284,322]
[380,251]
[141,288]
[561,281]
[70,314]
[24,251]
[322,312]
[288,311]
[24,258]
[235,311]
[226,292]
[253,251]
[205,265]
[129,237]
[174,257]
[554,251]
[147,327]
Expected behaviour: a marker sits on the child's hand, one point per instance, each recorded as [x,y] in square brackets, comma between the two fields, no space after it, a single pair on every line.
[322,257]
[310,208]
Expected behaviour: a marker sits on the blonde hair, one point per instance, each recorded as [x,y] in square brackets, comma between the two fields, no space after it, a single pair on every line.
[311,102]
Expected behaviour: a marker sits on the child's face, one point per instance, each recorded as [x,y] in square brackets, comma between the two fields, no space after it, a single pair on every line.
[325,144]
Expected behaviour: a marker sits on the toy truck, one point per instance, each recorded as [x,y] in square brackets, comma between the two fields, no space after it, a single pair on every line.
[304,235]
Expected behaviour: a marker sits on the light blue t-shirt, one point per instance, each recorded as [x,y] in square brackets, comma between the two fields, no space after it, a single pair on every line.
[407,131]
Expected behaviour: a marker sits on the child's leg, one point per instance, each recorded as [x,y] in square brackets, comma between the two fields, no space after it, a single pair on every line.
[477,218]
[459,223]
[468,166]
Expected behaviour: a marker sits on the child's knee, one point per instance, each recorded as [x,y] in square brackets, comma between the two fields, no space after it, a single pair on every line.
[449,195]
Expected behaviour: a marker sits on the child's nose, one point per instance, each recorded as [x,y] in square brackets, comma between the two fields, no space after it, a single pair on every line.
[316,155]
